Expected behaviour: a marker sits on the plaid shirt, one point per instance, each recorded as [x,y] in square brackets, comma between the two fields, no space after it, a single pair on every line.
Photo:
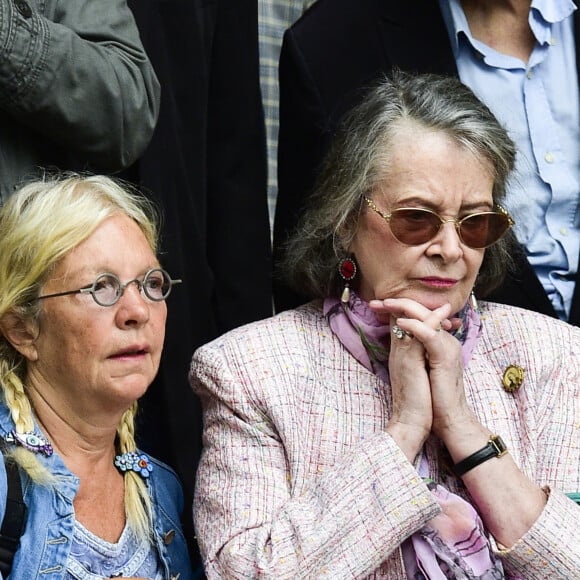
[274,17]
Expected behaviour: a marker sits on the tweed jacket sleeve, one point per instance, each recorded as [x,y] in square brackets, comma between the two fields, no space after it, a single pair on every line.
[276,495]
[540,423]
[299,479]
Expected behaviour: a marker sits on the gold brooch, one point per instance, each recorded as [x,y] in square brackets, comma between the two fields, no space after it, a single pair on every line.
[512,379]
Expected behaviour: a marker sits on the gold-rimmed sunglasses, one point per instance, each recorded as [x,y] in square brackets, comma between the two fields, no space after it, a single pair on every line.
[414,226]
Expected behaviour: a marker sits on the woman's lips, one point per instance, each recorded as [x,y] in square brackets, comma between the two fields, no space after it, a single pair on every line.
[434,282]
[130,353]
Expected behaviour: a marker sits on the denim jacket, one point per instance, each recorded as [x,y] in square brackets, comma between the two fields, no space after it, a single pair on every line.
[45,545]
[77,90]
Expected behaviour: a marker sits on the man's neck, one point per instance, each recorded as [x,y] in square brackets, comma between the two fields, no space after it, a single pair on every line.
[502,25]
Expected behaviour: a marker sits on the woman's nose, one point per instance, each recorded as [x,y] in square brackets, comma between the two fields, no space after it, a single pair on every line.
[133,307]
[447,242]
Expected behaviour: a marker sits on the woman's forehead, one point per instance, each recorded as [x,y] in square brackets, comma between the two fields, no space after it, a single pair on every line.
[431,167]
[116,242]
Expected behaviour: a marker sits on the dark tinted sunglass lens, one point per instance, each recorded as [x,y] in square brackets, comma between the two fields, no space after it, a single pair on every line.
[483,230]
[414,226]
[499,225]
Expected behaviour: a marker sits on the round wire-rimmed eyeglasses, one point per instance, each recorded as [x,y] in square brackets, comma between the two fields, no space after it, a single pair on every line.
[414,226]
[107,289]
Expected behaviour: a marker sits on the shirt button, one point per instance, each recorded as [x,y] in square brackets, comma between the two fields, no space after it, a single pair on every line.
[169,537]
[549,157]
[552,41]
[23,7]
[564,231]
[529,74]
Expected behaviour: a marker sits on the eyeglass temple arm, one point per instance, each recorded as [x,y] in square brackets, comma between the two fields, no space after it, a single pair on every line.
[505,212]
[68,292]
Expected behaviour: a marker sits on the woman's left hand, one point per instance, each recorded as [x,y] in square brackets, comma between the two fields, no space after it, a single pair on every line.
[442,359]
[492,483]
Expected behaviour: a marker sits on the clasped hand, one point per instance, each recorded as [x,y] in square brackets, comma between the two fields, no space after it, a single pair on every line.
[426,374]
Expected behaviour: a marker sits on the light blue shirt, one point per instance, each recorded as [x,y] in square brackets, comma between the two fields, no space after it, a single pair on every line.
[538,103]
[92,558]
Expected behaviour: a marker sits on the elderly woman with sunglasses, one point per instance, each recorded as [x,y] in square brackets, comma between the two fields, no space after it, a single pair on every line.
[393,428]
[82,322]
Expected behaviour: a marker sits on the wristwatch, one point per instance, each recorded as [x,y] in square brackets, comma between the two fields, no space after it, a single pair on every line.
[495,448]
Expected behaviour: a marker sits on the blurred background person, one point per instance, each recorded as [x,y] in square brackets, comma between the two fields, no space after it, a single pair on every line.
[206,166]
[82,324]
[519,57]
[274,17]
[77,91]
[392,428]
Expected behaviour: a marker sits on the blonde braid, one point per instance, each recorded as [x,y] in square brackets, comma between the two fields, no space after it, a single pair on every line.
[21,413]
[138,509]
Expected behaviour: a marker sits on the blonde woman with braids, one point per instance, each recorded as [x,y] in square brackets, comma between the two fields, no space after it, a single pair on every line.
[82,322]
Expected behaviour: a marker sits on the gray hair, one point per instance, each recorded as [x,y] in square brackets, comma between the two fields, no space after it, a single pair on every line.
[355,165]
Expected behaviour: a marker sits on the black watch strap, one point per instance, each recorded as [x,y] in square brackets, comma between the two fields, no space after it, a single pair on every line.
[495,448]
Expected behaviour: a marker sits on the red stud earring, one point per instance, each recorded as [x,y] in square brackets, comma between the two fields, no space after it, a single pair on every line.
[347,271]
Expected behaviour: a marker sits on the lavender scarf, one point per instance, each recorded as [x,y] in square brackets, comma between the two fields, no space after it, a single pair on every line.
[453,544]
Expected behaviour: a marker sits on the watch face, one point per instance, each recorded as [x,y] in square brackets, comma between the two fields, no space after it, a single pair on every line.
[497,442]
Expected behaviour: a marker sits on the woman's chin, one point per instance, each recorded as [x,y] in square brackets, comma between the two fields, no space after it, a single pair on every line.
[130,389]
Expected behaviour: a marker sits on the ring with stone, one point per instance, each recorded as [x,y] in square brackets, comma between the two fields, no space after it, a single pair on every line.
[399,332]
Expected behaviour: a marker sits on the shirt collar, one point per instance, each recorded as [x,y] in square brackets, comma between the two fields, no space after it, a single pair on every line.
[546,13]
[543,13]
[458,21]
[553,11]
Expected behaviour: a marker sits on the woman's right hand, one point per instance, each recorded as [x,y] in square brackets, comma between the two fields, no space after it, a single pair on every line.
[411,421]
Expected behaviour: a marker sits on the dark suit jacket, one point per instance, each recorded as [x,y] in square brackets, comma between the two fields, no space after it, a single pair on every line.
[206,167]
[328,58]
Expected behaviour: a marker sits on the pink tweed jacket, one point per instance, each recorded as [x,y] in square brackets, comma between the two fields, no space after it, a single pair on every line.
[298,478]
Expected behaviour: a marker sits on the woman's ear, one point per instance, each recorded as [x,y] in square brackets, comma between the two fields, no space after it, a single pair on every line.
[21,334]
[341,247]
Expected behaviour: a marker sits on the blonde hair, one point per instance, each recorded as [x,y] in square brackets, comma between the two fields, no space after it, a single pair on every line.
[40,224]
